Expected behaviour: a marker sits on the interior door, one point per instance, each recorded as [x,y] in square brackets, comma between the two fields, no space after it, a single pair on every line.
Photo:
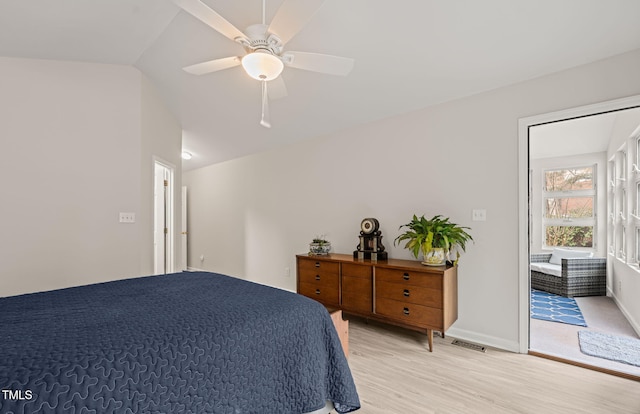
[163,223]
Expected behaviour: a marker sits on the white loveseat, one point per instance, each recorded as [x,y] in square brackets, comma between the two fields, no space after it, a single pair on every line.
[569,273]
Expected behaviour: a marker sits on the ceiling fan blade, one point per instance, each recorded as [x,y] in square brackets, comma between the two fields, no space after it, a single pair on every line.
[277,88]
[213,65]
[264,119]
[204,13]
[316,62]
[292,16]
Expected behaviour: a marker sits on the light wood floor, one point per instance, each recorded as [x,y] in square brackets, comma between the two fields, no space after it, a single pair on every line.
[561,340]
[395,374]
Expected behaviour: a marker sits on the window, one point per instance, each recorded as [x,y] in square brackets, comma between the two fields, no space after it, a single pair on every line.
[635,203]
[625,195]
[622,166]
[637,244]
[569,207]
[636,209]
[611,217]
[622,246]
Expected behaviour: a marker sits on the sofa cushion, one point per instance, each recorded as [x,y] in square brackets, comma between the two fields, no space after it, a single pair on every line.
[548,268]
[558,254]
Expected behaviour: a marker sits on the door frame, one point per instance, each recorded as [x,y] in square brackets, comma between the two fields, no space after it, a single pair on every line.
[524,187]
[184,230]
[168,213]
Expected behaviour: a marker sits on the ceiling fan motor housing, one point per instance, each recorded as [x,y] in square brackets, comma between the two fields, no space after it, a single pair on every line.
[258,38]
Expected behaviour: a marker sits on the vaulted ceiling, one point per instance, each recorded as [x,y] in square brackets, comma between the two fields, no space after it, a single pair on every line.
[408,55]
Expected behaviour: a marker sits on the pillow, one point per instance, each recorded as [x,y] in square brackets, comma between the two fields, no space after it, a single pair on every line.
[547,268]
[559,254]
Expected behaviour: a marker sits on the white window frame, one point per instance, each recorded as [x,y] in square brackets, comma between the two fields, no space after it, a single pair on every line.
[621,213]
[611,206]
[634,182]
[566,222]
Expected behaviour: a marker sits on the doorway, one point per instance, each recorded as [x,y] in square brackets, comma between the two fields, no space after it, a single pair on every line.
[163,256]
[184,232]
[528,229]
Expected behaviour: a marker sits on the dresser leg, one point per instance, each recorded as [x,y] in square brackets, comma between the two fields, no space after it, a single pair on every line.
[430,339]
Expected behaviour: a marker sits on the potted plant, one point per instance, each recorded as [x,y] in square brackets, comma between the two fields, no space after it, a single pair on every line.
[436,239]
[319,246]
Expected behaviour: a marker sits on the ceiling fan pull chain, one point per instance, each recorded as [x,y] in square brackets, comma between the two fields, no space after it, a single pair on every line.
[264,120]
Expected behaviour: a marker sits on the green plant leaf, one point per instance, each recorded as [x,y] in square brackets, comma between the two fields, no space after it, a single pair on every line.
[424,234]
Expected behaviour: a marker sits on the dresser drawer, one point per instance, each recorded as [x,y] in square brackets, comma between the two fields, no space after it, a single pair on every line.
[312,265]
[409,313]
[324,294]
[357,294]
[319,278]
[409,293]
[409,277]
[354,270]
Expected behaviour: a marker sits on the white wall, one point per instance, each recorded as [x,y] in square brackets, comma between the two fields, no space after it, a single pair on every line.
[624,279]
[161,140]
[538,166]
[250,216]
[71,150]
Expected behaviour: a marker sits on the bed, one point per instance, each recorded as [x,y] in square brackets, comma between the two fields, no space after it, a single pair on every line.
[190,342]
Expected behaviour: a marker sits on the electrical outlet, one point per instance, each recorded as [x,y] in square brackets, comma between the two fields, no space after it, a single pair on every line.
[619,285]
[287,272]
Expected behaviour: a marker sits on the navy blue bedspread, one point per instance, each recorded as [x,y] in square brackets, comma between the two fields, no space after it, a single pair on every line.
[180,343]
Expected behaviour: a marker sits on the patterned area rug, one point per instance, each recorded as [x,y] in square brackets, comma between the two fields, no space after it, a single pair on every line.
[616,348]
[555,308]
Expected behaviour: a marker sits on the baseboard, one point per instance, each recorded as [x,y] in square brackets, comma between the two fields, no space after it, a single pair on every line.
[492,341]
[634,324]
[195,269]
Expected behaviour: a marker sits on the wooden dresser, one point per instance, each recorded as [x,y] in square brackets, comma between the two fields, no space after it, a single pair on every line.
[399,292]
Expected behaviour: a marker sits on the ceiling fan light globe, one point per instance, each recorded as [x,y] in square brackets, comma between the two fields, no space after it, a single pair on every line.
[262,65]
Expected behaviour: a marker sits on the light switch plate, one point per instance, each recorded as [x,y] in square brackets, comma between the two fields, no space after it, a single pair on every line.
[479,215]
[127,217]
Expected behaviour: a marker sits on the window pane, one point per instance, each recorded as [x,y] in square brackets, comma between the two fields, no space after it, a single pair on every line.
[637,244]
[622,172]
[569,207]
[569,236]
[569,179]
[637,206]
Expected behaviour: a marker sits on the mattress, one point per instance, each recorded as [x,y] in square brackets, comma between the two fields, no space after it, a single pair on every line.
[190,342]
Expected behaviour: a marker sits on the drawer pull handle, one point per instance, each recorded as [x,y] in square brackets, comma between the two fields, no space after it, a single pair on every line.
[317,264]
[406,292]
[317,291]
[405,311]
[317,277]
[405,276]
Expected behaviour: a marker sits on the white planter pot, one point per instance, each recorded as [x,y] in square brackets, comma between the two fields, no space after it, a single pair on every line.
[319,249]
[435,257]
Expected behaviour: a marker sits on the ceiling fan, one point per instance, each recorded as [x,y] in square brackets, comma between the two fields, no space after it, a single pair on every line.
[265,57]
